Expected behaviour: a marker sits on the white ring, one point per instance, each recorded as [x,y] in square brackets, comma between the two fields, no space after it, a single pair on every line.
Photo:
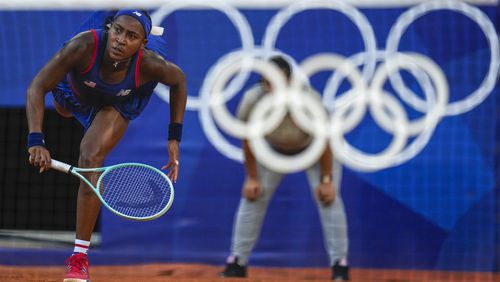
[411,61]
[285,163]
[360,20]
[486,87]
[239,21]
[223,117]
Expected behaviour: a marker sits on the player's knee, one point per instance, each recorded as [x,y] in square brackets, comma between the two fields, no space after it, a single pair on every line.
[85,191]
[62,111]
[89,158]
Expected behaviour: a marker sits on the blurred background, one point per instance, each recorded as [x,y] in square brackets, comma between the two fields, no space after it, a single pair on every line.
[437,211]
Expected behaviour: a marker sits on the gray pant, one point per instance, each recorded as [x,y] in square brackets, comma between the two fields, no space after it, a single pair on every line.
[250,215]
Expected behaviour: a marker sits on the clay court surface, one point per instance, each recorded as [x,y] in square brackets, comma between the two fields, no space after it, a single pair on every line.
[208,273]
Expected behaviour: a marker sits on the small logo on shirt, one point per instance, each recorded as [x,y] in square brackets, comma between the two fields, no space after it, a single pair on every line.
[89,83]
[124,92]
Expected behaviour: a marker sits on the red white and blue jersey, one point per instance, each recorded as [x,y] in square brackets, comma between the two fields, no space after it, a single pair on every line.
[84,93]
[91,90]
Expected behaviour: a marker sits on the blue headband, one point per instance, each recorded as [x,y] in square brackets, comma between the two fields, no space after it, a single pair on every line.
[138,15]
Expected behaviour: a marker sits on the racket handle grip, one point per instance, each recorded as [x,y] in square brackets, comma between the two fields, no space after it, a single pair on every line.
[57,165]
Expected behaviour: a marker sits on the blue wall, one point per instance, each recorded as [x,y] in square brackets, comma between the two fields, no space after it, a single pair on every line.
[437,211]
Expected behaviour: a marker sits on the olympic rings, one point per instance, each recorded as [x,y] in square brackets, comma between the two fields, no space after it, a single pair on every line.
[367,95]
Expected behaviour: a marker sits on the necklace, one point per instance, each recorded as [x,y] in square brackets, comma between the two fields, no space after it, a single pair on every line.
[115,64]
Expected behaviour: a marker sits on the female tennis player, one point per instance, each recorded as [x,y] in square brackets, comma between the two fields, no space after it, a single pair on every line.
[104,79]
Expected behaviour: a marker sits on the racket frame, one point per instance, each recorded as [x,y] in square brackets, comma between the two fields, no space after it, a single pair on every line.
[69,169]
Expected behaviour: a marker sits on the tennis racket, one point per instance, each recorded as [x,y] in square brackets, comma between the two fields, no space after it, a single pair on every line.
[131,190]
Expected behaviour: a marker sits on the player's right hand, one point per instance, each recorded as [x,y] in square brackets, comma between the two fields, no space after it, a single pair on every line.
[252,189]
[40,157]
[173,160]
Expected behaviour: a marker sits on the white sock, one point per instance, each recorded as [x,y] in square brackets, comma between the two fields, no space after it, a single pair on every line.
[81,246]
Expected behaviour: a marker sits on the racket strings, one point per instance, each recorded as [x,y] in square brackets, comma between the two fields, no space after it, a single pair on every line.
[135,191]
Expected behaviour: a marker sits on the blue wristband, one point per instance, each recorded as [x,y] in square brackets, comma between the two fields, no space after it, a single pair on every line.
[175,131]
[36,139]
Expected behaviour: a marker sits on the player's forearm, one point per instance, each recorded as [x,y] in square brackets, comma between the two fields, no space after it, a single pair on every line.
[178,99]
[325,162]
[250,161]
[35,108]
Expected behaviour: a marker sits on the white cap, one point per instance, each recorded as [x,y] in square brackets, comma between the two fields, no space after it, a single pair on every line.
[157,30]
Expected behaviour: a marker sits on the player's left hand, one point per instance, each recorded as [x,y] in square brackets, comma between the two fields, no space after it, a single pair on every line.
[325,193]
[173,160]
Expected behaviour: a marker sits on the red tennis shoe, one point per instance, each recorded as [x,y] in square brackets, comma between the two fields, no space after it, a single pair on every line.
[77,268]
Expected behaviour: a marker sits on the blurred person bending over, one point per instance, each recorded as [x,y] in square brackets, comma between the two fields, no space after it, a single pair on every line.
[103,77]
[261,183]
